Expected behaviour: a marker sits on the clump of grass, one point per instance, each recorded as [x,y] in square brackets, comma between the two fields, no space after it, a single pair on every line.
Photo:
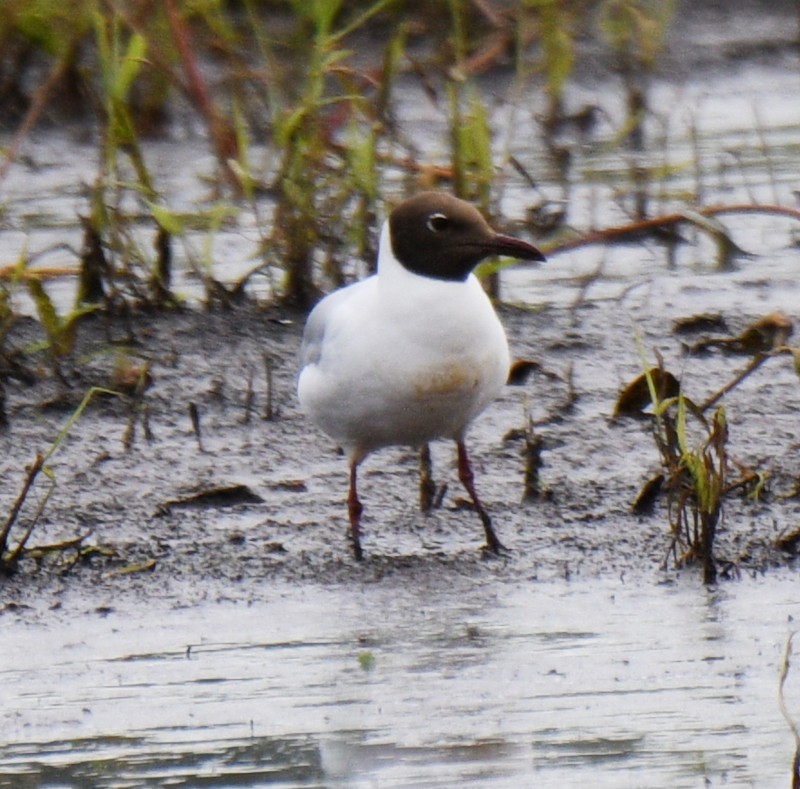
[472,166]
[559,25]
[40,36]
[327,123]
[694,463]
[60,330]
[10,556]
[697,475]
[327,143]
[699,484]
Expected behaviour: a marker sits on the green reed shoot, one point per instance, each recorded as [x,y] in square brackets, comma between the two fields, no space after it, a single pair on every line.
[558,23]
[121,57]
[59,330]
[694,472]
[309,185]
[636,30]
[700,480]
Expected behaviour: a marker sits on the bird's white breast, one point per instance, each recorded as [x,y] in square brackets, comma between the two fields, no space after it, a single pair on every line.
[401,359]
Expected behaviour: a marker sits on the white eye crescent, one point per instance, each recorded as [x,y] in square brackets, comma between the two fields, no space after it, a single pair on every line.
[437,223]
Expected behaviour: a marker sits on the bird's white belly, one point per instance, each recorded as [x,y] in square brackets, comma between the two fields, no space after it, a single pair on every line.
[401,399]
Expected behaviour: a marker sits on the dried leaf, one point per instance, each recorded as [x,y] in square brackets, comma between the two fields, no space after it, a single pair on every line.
[789,541]
[646,500]
[766,334]
[635,397]
[704,322]
[224,496]
[521,370]
[770,332]
[130,569]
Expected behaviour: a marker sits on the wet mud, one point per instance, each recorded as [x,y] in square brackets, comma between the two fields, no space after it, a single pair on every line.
[250,493]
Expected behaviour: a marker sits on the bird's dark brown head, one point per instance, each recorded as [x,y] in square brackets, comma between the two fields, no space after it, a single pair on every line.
[439,236]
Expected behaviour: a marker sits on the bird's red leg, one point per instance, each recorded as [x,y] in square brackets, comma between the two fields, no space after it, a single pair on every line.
[468,481]
[354,510]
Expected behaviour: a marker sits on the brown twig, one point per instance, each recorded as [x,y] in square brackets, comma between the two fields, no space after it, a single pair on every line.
[137,407]
[249,396]
[790,721]
[36,108]
[269,397]
[194,415]
[427,486]
[754,364]
[11,559]
[32,472]
[641,227]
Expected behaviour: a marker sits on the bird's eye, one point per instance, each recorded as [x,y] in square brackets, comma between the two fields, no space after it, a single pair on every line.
[437,223]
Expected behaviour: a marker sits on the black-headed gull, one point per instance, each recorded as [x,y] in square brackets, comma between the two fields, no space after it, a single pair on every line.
[416,351]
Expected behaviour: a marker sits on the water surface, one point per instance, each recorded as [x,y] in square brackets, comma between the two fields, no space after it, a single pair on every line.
[546,684]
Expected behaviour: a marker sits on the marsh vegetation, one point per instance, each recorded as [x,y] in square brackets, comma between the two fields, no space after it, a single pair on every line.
[300,109]
[180,180]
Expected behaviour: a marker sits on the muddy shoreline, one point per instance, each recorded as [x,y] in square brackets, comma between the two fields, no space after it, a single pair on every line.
[271,504]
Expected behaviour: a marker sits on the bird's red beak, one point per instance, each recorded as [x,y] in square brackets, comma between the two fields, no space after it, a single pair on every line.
[513,248]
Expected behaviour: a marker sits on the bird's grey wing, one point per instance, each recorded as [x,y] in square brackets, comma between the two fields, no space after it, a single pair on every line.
[316,325]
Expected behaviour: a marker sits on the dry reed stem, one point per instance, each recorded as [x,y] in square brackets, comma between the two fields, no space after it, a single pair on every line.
[611,235]
[31,473]
[790,721]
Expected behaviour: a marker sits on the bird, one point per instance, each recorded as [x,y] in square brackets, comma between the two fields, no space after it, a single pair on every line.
[414,352]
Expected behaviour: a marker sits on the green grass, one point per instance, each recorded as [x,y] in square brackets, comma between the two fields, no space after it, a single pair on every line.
[285,71]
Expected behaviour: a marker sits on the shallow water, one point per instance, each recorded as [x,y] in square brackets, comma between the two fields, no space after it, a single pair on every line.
[552,684]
